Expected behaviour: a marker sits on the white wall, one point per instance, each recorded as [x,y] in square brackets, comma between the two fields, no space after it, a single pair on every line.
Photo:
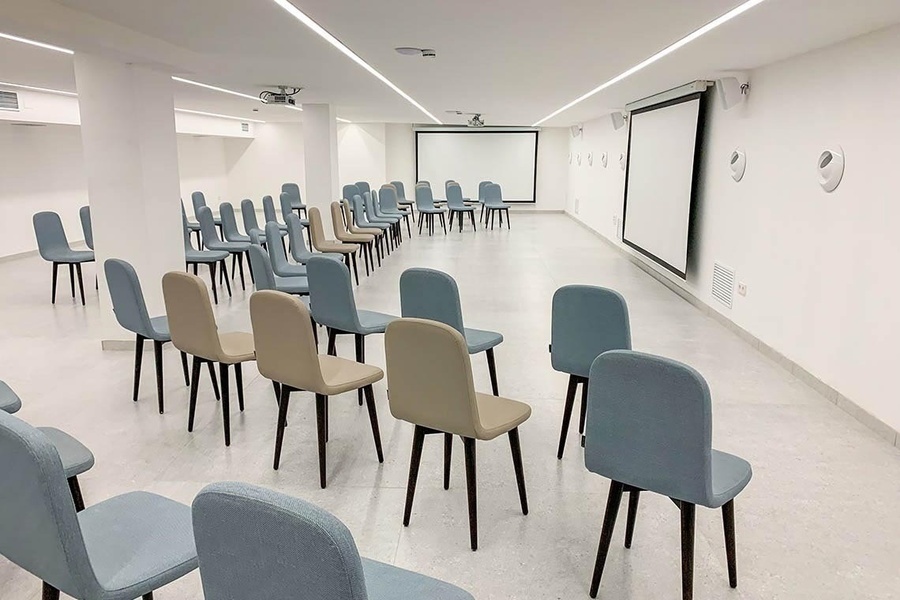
[201,166]
[400,156]
[819,267]
[258,167]
[362,153]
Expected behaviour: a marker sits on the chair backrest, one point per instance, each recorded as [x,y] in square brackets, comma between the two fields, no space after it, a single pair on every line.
[492,193]
[229,224]
[207,226]
[348,216]
[248,212]
[269,209]
[331,294]
[294,190]
[316,231]
[51,237]
[430,294]
[337,220]
[192,324]
[350,190]
[276,247]
[401,191]
[423,182]
[363,186]
[198,200]
[371,213]
[424,197]
[430,377]
[127,297]
[295,236]
[649,424]
[273,546]
[86,227]
[260,263]
[9,400]
[586,322]
[389,198]
[448,183]
[39,530]
[359,211]
[286,200]
[188,244]
[454,195]
[481,186]
[285,345]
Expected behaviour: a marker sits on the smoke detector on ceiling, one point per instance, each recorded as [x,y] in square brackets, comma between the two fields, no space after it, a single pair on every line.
[411,51]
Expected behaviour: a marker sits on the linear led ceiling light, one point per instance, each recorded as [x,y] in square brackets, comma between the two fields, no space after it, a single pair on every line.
[209,114]
[321,32]
[16,38]
[215,89]
[340,120]
[735,12]
[36,89]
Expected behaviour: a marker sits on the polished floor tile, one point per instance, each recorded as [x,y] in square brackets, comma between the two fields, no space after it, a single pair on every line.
[819,520]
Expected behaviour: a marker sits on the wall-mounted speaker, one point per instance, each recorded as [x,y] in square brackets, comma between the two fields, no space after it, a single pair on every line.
[831,168]
[618,120]
[732,91]
[738,163]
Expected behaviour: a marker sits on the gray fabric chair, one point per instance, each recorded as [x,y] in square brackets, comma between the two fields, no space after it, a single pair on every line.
[251,225]
[293,190]
[287,204]
[333,305]
[120,549]
[586,321]
[231,233]
[278,546]
[481,186]
[457,205]
[131,313]
[389,204]
[434,295]
[493,202]
[84,213]
[298,249]
[270,215]
[427,209]
[373,215]
[649,427]
[212,241]
[53,247]
[402,200]
[193,226]
[266,279]
[278,256]
[361,220]
[9,400]
[363,187]
[194,257]
[198,200]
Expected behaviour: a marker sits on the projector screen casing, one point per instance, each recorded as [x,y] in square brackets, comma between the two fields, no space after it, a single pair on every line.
[468,182]
[675,264]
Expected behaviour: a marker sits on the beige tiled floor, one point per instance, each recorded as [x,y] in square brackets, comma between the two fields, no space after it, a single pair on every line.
[818,521]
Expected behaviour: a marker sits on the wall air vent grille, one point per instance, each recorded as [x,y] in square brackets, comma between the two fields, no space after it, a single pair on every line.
[245,127]
[723,284]
[9,101]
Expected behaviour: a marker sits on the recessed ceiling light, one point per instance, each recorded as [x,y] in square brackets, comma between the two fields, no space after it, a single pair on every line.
[409,51]
[735,12]
[15,38]
[37,89]
[209,114]
[321,32]
[340,120]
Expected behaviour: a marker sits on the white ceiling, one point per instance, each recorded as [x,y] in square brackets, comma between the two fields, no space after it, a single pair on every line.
[513,60]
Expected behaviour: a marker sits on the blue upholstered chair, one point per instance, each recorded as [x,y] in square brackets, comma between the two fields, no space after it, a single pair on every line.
[230,230]
[193,226]
[293,190]
[649,428]
[481,187]
[434,295]
[53,247]
[9,400]
[389,204]
[251,225]
[198,200]
[131,313]
[333,305]
[120,549]
[287,209]
[278,256]
[373,215]
[270,215]
[586,321]
[87,228]
[493,202]
[361,220]
[427,209]
[363,187]
[375,247]
[194,257]
[285,547]
[299,252]
[457,205]
[212,241]
[266,279]
[402,200]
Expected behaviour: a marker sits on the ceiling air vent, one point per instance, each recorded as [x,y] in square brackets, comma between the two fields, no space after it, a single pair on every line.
[723,284]
[9,101]
[245,127]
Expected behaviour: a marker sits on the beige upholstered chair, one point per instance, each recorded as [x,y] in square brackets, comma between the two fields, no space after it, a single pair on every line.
[430,379]
[322,244]
[286,354]
[351,226]
[194,331]
[342,234]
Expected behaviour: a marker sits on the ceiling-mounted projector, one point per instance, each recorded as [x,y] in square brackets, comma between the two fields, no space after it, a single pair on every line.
[283,97]
[476,121]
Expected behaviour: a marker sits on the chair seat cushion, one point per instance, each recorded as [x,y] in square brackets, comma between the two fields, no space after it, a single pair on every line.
[237,346]
[342,375]
[71,256]
[193,226]
[337,247]
[432,211]
[374,322]
[499,415]
[205,256]
[160,329]
[75,457]
[228,246]
[138,542]
[292,285]
[497,205]
[290,270]
[387,582]
[9,400]
[730,475]
[357,238]
[479,340]
[368,230]
[239,238]
[462,208]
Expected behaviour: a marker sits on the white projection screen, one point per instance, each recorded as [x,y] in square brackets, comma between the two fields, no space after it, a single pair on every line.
[663,148]
[469,157]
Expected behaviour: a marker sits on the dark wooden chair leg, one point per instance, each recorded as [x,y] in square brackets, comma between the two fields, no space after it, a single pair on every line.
[226,277]
[584,400]
[730,550]
[507,218]
[472,217]
[80,282]
[355,270]
[373,420]
[448,452]
[687,550]
[360,341]
[240,262]
[158,359]
[48,592]
[516,449]
[195,383]
[284,396]
[138,358]
[414,461]
[634,497]
[609,524]
[72,279]
[226,412]
[184,369]
[250,268]
[212,279]
[75,490]
[472,491]
[147,596]
[421,221]
[239,383]
[213,380]
[53,287]
[321,409]
[567,415]
[315,328]
[492,367]
[332,338]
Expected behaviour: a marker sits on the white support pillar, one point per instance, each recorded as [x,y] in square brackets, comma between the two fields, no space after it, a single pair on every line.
[320,157]
[131,159]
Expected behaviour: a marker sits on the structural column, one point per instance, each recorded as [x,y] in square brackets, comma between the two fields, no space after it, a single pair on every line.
[131,160]
[320,156]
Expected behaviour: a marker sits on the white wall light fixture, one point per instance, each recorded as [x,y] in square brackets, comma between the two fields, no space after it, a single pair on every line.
[623,161]
[831,168]
[579,159]
[604,159]
[590,159]
[738,163]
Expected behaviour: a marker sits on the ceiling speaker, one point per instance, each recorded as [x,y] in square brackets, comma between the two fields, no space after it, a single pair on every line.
[738,163]
[831,168]
[618,120]
[732,91]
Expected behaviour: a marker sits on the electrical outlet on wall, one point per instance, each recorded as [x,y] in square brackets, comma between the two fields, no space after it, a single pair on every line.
[742,288]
